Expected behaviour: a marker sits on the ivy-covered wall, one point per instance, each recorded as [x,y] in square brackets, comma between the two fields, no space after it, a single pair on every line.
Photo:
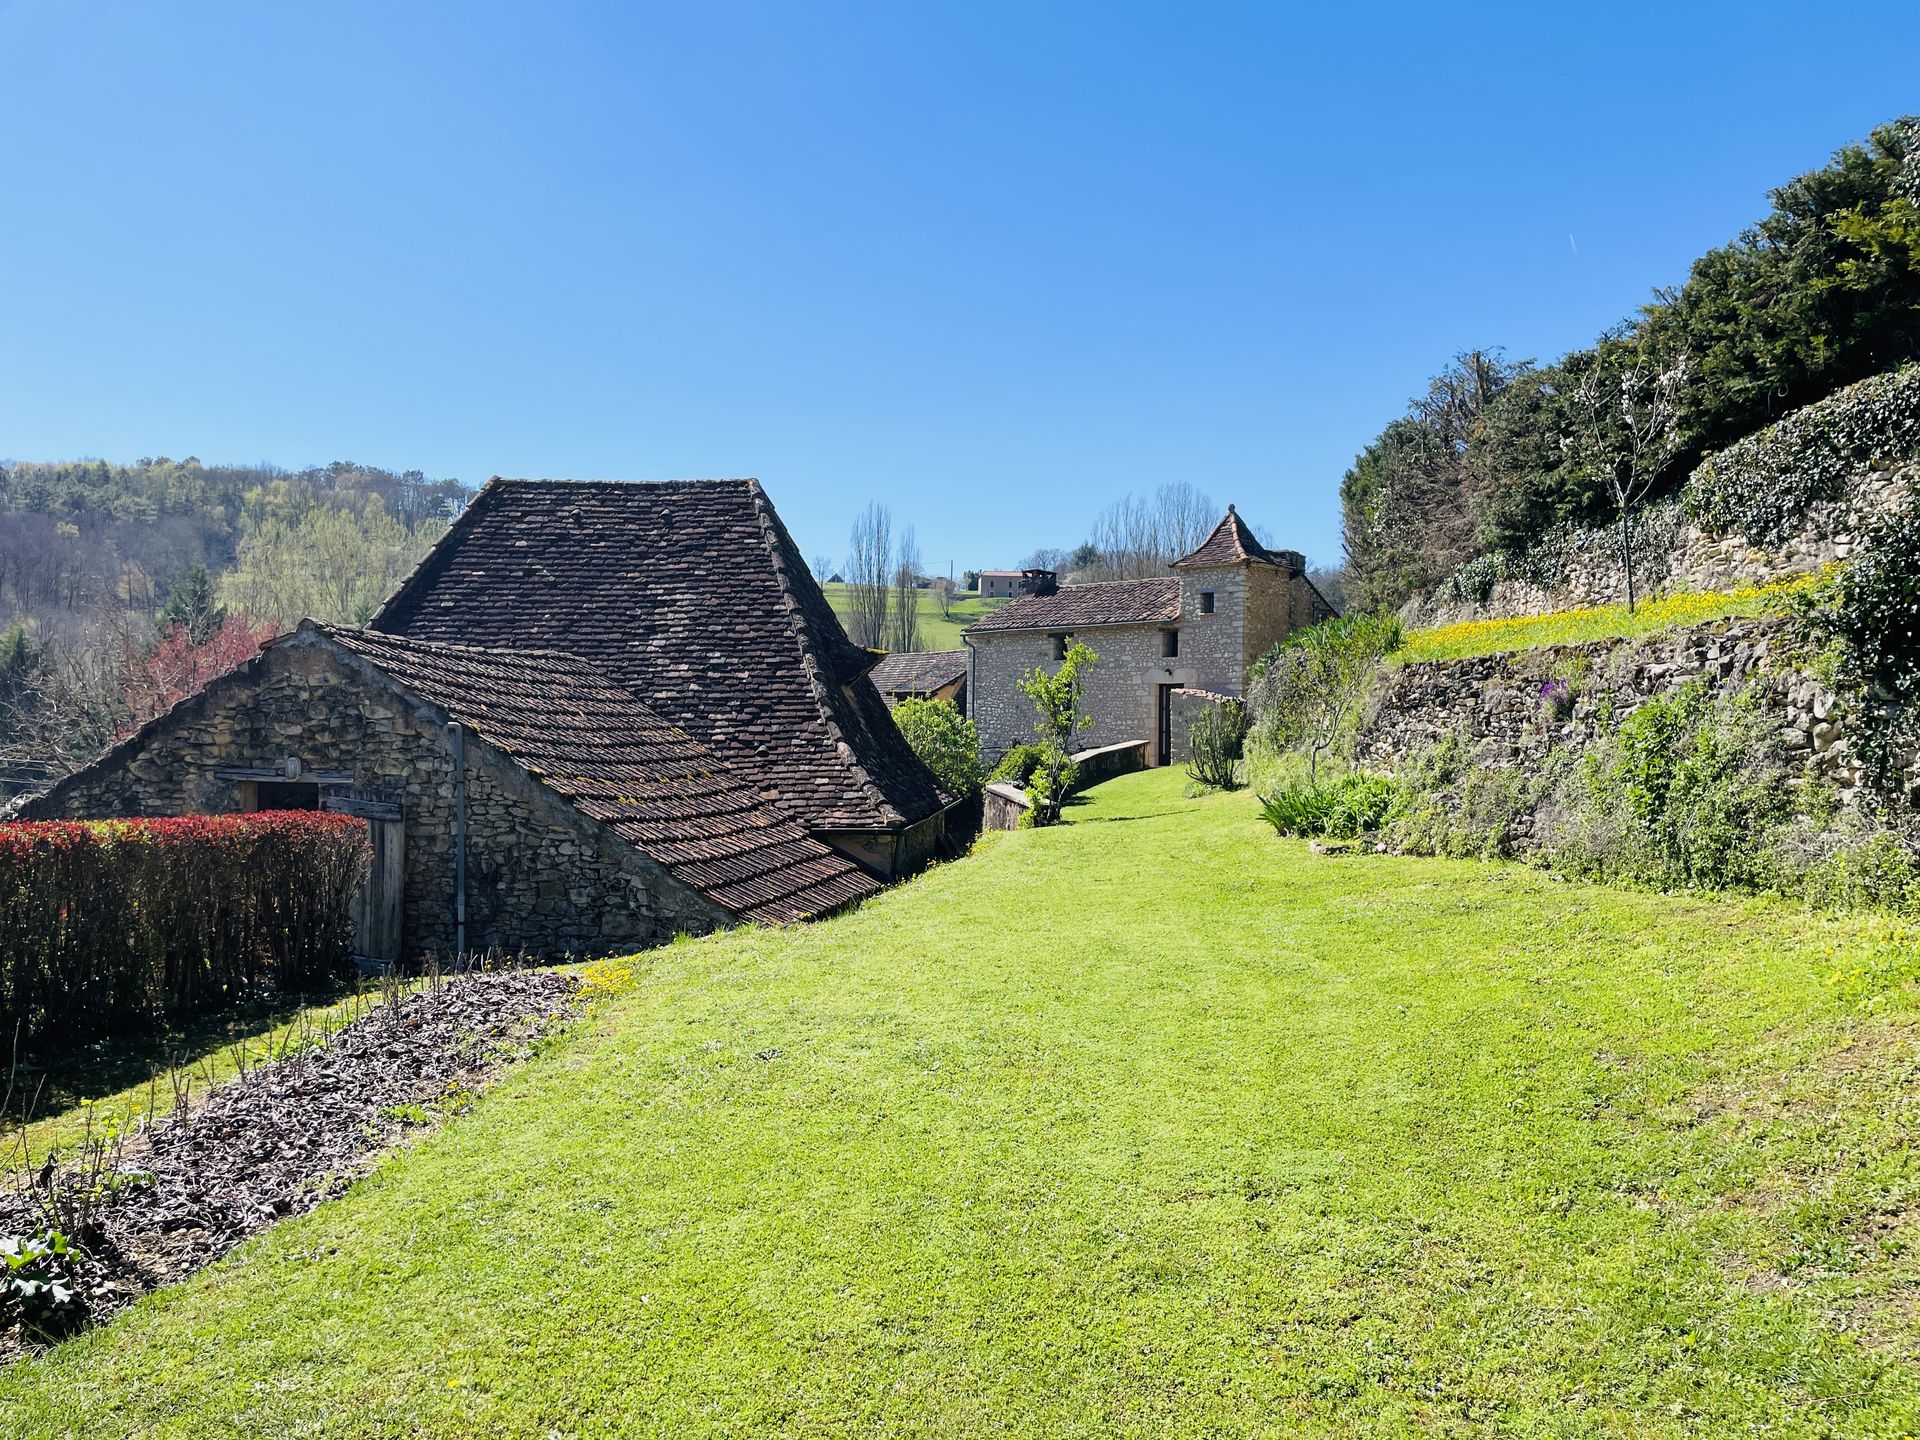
[1788,499]
[1513,710]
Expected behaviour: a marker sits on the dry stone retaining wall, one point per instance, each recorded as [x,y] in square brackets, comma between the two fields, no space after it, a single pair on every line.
[1509,710]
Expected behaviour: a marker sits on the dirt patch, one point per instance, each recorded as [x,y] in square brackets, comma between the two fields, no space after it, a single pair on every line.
[276,1141]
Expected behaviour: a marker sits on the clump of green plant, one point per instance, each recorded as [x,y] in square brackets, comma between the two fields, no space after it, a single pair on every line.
[37,1286]
[1684,794]
[1307,690]
[945,739]
[1059,717]
[1342,809]
[1444,803]
[1016,767]
[1215,741]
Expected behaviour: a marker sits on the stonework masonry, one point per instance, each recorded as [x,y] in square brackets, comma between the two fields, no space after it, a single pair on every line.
[1254,607]
[541,878]
[1504,706]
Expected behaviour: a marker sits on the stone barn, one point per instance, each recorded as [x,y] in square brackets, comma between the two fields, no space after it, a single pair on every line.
[597,715]
[1167,644]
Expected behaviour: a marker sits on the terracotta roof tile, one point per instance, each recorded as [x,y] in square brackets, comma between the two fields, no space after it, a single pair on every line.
[619,763]
[1080,607]
[1231,543]
[691,595]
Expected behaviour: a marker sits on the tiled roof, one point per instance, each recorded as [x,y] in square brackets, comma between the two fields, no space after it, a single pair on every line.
[619,763]
[692,595]
[920,673]
[1231,543]
[1078,607]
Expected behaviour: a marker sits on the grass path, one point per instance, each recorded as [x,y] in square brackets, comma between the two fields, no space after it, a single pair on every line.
[1152,1125]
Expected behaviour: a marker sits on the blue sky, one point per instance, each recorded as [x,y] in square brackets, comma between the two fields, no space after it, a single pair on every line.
[992,264]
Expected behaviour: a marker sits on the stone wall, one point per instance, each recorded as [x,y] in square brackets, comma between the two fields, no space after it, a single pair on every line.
[1679,556]
[1510,708]
[1120,690]
[541,877]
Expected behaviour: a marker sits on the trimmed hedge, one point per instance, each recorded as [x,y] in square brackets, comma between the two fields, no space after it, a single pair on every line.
[122,926]
[1760,487]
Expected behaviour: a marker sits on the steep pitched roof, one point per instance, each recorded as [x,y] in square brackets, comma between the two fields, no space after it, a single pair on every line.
[1079,607]
[692,595]
[1231,543]
[619,763]
[919,673]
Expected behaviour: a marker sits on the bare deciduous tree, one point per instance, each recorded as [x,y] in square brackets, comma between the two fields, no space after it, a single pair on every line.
[1625,430]
[1139,536]
[906,593]
[870,574]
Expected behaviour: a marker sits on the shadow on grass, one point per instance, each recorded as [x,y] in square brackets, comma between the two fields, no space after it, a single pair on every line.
[50,1083]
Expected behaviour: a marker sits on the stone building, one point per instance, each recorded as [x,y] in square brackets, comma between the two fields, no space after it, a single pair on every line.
[924,675]
[1165,644]
[629,704]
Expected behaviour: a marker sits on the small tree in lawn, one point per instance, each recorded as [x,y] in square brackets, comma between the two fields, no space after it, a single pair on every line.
[1625,429]
[1057,701]
[1309,684]
[1214,742]
[946,740]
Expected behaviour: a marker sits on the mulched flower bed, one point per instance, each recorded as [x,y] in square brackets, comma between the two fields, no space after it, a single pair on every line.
[278,1140]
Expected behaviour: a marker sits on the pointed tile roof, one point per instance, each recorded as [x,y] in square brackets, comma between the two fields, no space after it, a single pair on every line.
[1231,543]
[618,763]
[691,595]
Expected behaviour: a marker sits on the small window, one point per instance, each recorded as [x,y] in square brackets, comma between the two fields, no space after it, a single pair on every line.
[1059,647]
[1206,602]
[1169,644]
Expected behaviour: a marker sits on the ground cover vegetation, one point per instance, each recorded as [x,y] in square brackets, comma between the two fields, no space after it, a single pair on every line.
[88,1227]
[1258,1142]
[1582,624]
[1500,455]
[126,926]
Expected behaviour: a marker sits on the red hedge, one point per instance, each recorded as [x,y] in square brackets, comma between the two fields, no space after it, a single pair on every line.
[109,926]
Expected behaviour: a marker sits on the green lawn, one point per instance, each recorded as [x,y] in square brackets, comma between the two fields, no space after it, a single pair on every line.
[1152,1125]
[937,631]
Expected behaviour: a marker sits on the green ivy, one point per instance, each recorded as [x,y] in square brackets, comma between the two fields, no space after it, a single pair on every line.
[1761,487]
[1872,613]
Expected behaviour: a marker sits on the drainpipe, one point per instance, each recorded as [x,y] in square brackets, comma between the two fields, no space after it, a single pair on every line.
[457,743]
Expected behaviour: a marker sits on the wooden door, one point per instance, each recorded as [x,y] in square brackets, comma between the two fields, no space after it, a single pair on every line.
[379,908]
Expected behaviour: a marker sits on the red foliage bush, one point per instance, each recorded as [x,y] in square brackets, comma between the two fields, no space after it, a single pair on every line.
[112,926]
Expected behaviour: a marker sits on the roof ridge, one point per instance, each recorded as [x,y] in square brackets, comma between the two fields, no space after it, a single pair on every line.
[772,532]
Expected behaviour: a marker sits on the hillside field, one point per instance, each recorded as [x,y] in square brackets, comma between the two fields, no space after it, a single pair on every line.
[937,631]
[1150,1125]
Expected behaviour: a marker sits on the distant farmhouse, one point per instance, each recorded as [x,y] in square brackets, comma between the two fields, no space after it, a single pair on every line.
[1167,645]
[597,714]
[1000,584]
[925,675]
